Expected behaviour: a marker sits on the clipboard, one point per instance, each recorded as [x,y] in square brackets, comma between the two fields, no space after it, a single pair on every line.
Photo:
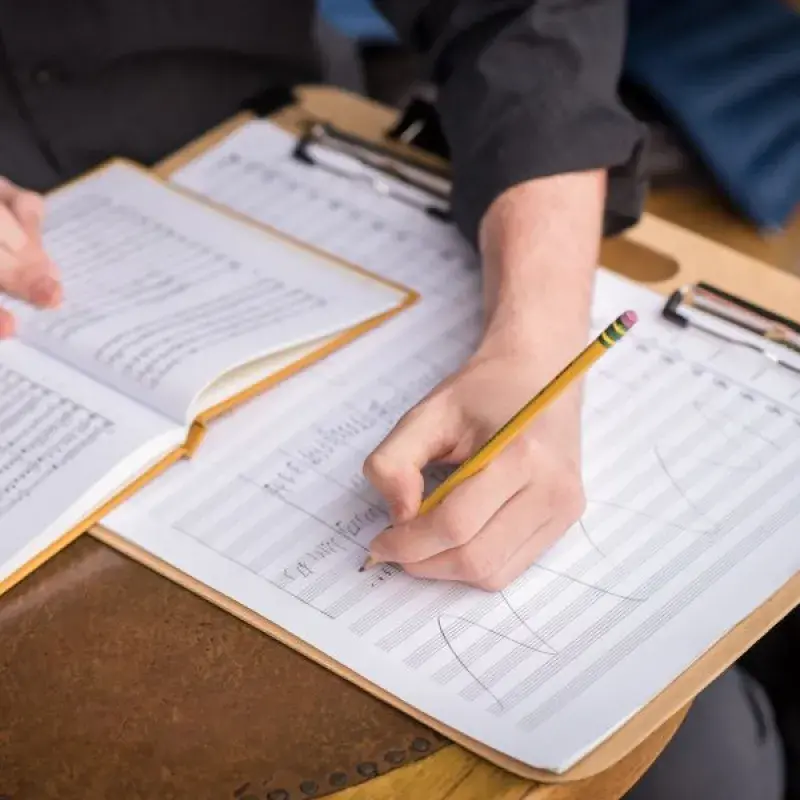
[736,321]
[344,120]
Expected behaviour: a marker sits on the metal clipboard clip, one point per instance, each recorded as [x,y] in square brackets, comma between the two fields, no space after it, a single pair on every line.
[735,321]
[385,172]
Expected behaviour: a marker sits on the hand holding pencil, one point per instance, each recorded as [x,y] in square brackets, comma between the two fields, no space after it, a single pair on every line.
[507,435]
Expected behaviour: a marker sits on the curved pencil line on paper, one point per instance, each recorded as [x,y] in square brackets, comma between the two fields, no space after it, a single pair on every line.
[590,539]
[468,622]
[678,488]
[524,623]
[591,586]
[460,660]
[720,422]
[652,517]
[548,653]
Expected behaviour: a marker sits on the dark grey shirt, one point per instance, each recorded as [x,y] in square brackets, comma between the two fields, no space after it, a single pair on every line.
[527,88]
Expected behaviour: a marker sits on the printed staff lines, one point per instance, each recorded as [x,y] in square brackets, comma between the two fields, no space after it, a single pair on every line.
[541,646]
[325,475]
[464,624]
[720,423]
[592,587]
[662,519]
[677,486]
[241,565]
[748,468]
[440,620]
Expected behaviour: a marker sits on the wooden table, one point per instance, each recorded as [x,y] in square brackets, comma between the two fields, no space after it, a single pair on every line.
[702,212]
[454,774]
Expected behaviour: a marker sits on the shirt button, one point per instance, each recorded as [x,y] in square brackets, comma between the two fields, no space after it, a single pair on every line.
[44,76]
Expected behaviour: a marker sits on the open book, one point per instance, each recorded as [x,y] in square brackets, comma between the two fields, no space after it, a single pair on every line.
[174,311]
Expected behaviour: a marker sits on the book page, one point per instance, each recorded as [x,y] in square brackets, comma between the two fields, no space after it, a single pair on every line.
[692,472]
[163,295]
[66,446]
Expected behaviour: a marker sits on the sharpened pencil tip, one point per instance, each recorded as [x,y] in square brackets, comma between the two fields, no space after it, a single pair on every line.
[370,562]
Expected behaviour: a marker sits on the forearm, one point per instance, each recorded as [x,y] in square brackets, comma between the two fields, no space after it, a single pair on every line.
[528,89]
[539,242]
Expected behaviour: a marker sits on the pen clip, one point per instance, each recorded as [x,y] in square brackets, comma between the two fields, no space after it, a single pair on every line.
[758,327]
[381,169]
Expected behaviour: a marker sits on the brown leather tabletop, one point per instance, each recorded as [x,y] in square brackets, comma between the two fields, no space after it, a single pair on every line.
[117,683]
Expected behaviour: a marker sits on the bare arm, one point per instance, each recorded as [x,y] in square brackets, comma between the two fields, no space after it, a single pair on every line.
[545,161]
[539,242]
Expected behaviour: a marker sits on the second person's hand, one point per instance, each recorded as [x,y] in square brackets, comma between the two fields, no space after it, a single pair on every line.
[26,272]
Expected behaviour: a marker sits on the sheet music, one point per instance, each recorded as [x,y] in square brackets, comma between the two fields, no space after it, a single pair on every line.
[63,442]
[692,471]
[163,295]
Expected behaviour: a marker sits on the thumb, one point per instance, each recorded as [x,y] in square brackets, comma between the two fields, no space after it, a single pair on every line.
[21,215]
[13,236]
[25,270]
[28,207]
[394,468]
[29,277]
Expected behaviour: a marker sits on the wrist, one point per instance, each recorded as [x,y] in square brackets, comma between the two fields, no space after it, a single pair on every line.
[542,309]
[540,243]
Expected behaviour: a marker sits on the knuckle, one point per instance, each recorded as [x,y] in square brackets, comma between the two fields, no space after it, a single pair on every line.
[492,583]
[568,497]
[378,465]
[528,453]
[453,524]
[473,565]
[415,570]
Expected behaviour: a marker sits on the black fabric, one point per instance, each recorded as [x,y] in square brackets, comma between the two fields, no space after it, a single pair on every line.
[727,748]
[90,79]
[527,88]
[775,662]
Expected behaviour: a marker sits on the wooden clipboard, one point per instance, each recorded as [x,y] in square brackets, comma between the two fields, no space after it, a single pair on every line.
[657,253]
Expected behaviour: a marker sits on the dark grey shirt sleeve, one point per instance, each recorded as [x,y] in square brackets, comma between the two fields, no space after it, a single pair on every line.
[527,89]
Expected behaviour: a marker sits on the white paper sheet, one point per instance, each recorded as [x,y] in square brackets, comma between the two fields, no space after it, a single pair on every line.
[692,471]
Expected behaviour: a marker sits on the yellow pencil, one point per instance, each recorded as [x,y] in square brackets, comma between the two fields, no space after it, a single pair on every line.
[514,427]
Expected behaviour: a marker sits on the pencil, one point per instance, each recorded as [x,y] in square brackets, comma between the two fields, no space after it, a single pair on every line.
[514,427]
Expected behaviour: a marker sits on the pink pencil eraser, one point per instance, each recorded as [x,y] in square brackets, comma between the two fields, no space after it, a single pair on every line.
[629,319]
